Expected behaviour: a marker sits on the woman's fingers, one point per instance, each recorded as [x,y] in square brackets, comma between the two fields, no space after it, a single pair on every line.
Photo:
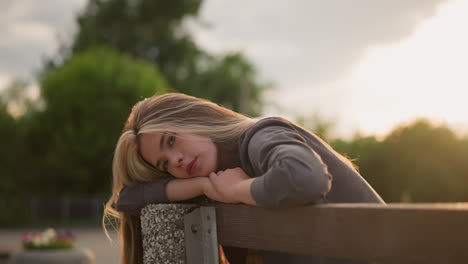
[221,186]
[213,175]
[227,184]
[214,180]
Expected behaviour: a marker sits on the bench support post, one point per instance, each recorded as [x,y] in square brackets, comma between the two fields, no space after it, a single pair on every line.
[201,242]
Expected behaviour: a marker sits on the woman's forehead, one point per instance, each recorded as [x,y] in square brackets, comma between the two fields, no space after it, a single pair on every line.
[148,146]
[150,138]
[151,144]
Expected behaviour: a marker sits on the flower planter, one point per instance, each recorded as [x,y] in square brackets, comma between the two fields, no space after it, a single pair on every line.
[70,256]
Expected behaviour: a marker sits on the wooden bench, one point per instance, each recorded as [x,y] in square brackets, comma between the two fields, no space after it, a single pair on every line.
[394,233]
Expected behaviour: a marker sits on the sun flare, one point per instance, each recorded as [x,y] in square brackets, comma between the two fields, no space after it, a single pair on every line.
[425,75]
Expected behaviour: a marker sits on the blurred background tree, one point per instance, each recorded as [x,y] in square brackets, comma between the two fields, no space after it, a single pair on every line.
[321,126]
[14,102]
[124,50]
[154,31]
[418,162]
[87,100]
[12,147]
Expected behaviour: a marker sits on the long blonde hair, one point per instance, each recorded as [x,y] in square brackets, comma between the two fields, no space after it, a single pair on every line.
[173,112]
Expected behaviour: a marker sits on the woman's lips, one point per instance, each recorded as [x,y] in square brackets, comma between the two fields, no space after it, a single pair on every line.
[191,166]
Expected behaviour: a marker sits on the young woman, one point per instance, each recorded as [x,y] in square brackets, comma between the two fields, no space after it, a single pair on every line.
[175,147]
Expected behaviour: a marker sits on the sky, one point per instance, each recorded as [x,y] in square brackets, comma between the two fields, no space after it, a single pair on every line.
[365,65]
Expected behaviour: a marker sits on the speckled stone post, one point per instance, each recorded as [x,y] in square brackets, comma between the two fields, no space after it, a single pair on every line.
[162,230]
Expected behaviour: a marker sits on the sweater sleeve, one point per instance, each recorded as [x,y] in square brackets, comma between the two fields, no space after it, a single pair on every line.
[133,198]
[289,171]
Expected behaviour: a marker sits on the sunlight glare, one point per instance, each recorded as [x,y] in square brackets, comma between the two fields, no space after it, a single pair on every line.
[422,76]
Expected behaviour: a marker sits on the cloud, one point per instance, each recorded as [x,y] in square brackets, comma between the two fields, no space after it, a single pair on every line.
[309,42]
[308,48]
[422,76]
[32,29]
[320,40]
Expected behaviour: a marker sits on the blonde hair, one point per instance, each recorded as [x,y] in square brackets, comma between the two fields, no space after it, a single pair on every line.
[173,112]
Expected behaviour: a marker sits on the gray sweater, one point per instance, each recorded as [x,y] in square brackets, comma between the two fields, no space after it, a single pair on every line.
[291,165]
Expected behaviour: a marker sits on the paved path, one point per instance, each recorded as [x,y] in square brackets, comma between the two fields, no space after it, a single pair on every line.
[92,238]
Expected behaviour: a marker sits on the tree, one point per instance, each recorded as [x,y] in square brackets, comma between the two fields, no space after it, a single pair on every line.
[16,98]
[154,31]
[10,153]
[417,161]
[86,101]
[146,29]
[229,81]
[320,126]
[14,102]
[364,152]
[423,161]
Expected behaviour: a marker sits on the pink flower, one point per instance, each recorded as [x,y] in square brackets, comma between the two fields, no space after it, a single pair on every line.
[48,239]
[26,236]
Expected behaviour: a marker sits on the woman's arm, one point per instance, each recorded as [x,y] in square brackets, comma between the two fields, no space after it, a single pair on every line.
[289,171]
[164,190]
[184,189]
[133,198]
[295,176]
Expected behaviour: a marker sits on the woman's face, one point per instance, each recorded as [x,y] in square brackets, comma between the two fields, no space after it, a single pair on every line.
[182,155]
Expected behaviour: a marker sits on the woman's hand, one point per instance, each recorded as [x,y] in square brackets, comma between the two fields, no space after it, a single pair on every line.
[232,186]
[210,191]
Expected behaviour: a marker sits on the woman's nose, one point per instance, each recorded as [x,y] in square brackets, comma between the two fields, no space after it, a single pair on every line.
[176,160]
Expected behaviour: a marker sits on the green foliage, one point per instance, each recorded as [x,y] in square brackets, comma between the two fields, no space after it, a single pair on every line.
[63,141]
[153,31]
[419,161]
[15,98]
[229,81]
[87,101]
[320,126]
[15,212]
[11,150]
[428,162]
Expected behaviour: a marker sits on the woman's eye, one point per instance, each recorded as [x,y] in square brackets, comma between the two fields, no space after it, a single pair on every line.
[165,165]
[172,140]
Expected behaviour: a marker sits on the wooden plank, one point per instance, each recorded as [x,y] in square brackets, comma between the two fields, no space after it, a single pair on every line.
[201,244]
[394,233]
